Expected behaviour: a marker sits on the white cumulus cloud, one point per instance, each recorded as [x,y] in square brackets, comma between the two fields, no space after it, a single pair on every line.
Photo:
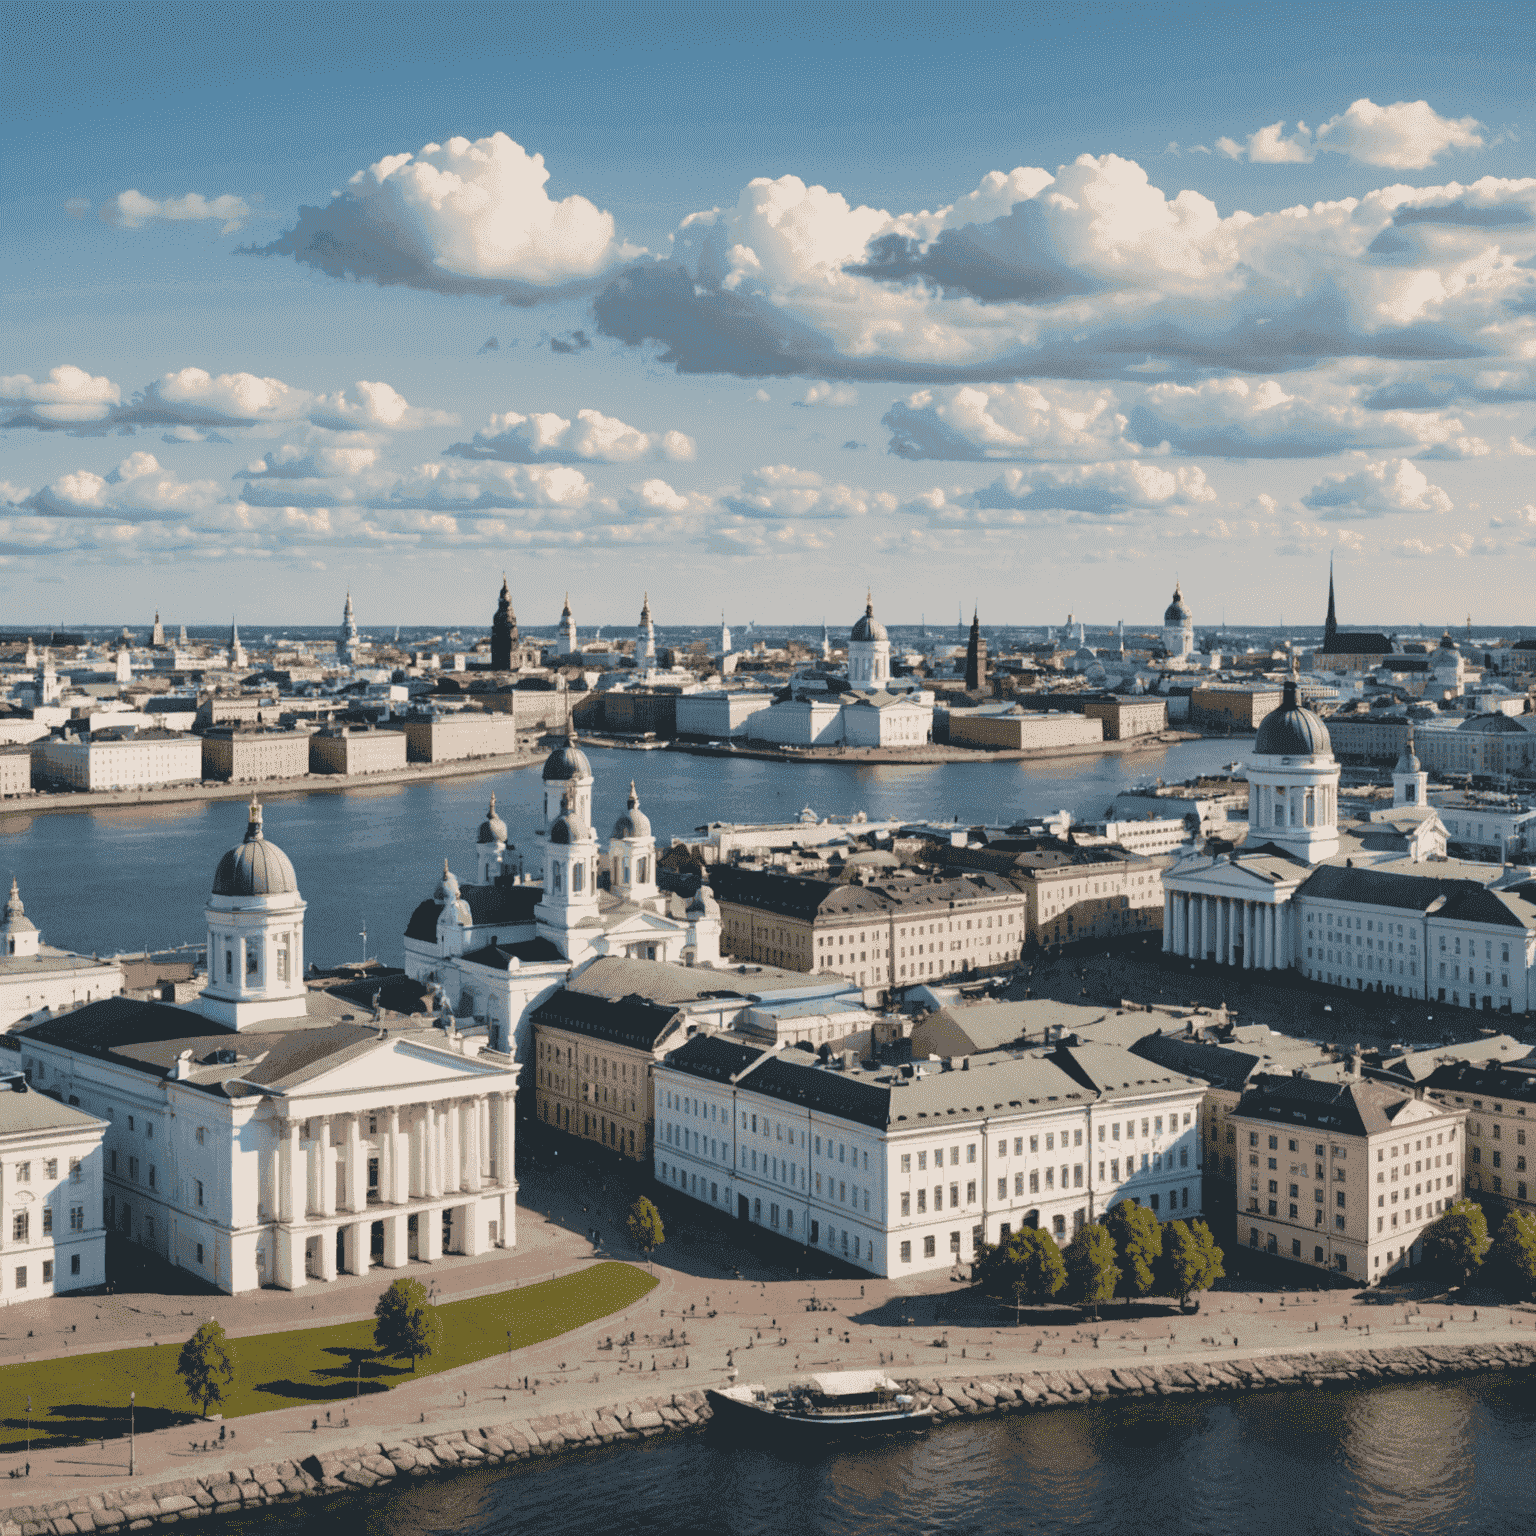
[133,210]
[460,217]
[1375,489]
[543,437]
[1406,136]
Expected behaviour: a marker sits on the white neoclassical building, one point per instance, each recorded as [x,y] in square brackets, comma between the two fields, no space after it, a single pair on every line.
[271,1134]
[869,651]
[35,975]
[1178,627]
[1370,907]
[501,944]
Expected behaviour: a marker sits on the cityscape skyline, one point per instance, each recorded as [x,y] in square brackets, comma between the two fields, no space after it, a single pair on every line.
[1090,333]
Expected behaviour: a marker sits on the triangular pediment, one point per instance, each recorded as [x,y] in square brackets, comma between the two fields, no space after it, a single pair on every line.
[1227,879]
[396,1066]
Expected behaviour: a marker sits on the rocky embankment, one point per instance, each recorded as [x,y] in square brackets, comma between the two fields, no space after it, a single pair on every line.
[373,1465]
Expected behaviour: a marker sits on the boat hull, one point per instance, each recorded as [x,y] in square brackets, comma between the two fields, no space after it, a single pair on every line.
[738,1417]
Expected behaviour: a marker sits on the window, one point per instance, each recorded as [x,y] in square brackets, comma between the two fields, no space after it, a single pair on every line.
[23,1173]
[74,1170]
[929,1248]
[51,1167]
[199,1253]
[21,1277]
[19,1227]
[77,1218]
[906,1253]
[198,1183]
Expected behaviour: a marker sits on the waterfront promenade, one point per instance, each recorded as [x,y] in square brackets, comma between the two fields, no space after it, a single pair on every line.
[762,1324]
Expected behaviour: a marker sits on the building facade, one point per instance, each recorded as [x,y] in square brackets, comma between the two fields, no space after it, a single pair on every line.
[356,750]
[146,759]
[446,738]
[34,975]
[238,755]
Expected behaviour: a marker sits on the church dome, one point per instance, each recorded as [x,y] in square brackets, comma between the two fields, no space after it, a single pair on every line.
[1292,731]
[634,822]
[493,829]
[1446,643]
[869,627]
[447,889]
[567,762]
[569,828]
[256,867]
[1176,612]
[16,919]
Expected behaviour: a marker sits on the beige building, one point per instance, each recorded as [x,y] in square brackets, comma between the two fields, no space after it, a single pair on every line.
[355,749]
[889,933]
[449,737]
[1124,718]
[52,1237]
[15,770]
[239,755]
[1023,732]
[1499,1101]
[1238,705]
[145,759]
[1111,896]
[1344,1176]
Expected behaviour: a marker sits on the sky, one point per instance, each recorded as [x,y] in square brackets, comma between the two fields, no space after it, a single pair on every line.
[1027,310]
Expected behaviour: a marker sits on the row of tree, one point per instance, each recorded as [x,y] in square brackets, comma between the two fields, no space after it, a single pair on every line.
[1128,1252]
[1458,1246]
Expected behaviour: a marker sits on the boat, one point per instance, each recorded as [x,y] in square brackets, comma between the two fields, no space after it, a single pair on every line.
[834,1406]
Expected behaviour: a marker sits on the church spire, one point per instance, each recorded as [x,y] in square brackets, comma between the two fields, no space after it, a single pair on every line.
[1331,623]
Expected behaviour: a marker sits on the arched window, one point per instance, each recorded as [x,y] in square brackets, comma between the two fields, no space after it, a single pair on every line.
[576,876]
[640,865]
[557,876]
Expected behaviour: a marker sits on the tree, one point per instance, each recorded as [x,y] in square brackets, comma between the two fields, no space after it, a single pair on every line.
[406,1323]
[1027,1269]
[1191,1260]
[1092,1273]
[644,1224]
[1456,1243]
[1138,1237]
[206,1365]
[1514,1254]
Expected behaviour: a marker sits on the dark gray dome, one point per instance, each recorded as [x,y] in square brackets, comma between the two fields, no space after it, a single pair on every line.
[568,828]
[256,867]
[634,822]
[1292,731]
[567,762]
[1176,612]
[869,627]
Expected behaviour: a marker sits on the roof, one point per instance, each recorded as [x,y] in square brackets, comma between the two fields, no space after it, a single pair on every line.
[1458,900]
[30,1111]
[615,976]
[807,899]
[500,957]
[489,906]
[1493,1079]
[853,1383]
[1291,731]
[631,1021]
[1117,1073]
[1350,1108]
[255,867]
[1356,642]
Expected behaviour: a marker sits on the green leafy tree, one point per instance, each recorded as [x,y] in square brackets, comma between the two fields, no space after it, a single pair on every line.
[1138,1237]
[1514,1254]
[1092,1273]
[1191,1260]
[206,1365]
[1027,1269]
[645,1229]
[406,1323]
[1458,1242]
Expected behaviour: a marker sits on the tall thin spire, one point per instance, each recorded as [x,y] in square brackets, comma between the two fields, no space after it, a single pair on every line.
[1331,623]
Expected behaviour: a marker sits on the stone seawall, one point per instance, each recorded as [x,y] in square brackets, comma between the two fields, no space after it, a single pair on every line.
[373,1465]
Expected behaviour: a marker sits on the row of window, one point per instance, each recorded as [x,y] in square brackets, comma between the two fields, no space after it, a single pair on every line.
[50,1170]
[21,1223]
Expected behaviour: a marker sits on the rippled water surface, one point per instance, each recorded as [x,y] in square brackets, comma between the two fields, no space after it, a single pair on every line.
[1413,1460]
[109,881]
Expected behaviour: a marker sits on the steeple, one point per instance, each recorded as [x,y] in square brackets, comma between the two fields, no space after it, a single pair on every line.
[1331,623]
[565,642]
[503,630]
[975,657]
[645,639]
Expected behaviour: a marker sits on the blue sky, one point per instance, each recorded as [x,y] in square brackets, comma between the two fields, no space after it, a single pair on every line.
[1034,310]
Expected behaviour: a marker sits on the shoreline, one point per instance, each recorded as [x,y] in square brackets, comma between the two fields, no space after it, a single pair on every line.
[531,1437]
[46,803]
[928,756]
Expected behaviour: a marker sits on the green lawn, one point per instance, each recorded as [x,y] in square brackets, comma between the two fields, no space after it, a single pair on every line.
[85,1397]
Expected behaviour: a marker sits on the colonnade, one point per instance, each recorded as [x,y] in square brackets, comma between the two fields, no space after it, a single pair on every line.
[435,1151]
[1257,935]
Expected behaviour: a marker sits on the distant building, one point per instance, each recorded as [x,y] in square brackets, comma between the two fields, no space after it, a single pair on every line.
[1240,706]
[503,631]
[1178,628]
[237,755]
[1348,650]
[15,769]
[140,759]
[34,975]
[976,657]
[355,749]
[346,637]
[1021,732]
[1127,717]
[448,738]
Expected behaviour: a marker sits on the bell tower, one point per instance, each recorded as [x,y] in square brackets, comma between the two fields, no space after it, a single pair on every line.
[1410,784]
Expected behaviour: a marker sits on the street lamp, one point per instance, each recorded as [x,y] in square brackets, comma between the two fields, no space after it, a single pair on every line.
[509,1359]
[132,1464]
[29,1431]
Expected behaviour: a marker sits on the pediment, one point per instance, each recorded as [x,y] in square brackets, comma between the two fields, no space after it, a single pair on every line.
[398,1067]
[1225,880]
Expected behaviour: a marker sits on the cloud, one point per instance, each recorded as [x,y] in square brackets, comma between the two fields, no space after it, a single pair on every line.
[1096,488]
[197,405]
[1094,275]
[1375,489]
[460,218]
[836,395]
[542,437]
[780,492]
[1012,421]
[132,210]
[137,488]
[317,463]
[1407,136]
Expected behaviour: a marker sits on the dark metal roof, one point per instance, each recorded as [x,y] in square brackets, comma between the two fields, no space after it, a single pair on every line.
[489,905]
[1461,900]
[1292,731]
[631,1021]
[1341,1109]
[1356,642]
[1486,1079]
[499,957]
[256,867]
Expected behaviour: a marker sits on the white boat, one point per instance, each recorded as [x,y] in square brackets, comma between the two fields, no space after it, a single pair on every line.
[833,1406]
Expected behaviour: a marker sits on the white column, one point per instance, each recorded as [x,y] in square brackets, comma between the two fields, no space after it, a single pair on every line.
[473,1142]
[356,1179]
[1186,925]
[505,1150]
[325,1174]
[397,1191]
[432,1165]
[292,1174]
[1233,916]
[1274,937]
[1167,922]
[395,1240]
[453,1167]
[1248,925]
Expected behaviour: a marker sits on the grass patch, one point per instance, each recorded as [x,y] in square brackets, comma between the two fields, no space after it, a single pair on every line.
[85,1397]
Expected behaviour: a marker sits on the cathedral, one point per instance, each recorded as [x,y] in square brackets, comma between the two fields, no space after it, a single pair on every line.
[1372,905]
[273,1133]
[500,943]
